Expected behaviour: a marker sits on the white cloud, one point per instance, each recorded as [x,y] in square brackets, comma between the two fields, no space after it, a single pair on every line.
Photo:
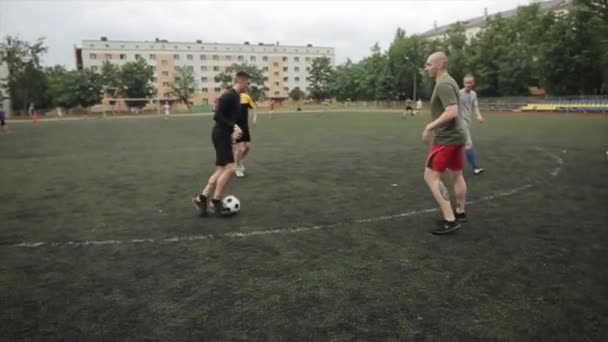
[352,27]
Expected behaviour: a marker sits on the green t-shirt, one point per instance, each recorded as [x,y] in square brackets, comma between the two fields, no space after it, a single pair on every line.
[447,93]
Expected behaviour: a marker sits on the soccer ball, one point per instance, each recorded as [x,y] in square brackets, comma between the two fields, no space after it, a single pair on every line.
[232,203]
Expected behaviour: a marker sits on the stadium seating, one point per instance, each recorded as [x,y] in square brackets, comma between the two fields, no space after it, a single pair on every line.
[568,105]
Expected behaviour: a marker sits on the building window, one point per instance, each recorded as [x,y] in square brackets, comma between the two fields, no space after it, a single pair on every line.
[123,56]
[265,58]
[216,68]
[284,59]
[176,67]
[203,57]
[286,88]
[189,57]
[91,45]
[296,59]
[163,62]
[308,59]
[276,83]
[153,79]
[265,69]
[228,58]
[297,79]
[241,58]
[165,84]
[276,73]
[108,56]
[205,90]
[153,68]
[137,46]
[93,68]
[165,73]
[285,79]
[152,57]
[204,79]
[216,57]
[190,67]
[297,69]
[276,93]
[252,58]
[176,57]
[285,68]
[307,69]
[137,56]
[265,79]
[217,89]
[92,56]
[204,68]
[275,64]
[188,46]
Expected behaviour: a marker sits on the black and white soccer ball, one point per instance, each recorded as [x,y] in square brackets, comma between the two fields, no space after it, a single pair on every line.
[232,203]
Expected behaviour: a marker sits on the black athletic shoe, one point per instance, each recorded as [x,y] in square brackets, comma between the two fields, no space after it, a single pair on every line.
[218,208]
[447,228]
[461,217]
[200,203]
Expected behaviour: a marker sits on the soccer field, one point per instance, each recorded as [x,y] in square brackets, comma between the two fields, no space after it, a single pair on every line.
[99,240]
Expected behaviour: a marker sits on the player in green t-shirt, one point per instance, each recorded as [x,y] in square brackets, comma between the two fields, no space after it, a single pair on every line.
[447,150]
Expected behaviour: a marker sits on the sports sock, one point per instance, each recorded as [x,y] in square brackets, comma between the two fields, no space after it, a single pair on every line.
[471,157]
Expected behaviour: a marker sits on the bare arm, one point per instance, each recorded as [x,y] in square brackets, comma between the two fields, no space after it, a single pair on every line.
[254,117]
[450,113]
[477,112]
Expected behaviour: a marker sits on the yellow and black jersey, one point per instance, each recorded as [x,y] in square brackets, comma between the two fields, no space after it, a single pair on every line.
[247,101]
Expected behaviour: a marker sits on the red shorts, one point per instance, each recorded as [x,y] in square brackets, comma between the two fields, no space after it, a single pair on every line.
[443,157]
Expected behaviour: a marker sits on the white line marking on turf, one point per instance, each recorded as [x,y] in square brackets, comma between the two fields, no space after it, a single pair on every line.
[554,172]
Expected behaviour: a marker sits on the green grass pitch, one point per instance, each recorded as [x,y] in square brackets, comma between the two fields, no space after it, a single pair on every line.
[320,250]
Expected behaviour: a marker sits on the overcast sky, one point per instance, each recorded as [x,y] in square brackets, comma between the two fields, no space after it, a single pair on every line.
[349,26]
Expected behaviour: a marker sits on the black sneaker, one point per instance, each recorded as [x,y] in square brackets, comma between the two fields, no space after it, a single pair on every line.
[461,217]
[200,203]
[218,208]
[447,228]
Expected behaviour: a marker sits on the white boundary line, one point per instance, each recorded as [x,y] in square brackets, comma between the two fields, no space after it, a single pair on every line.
[554,173]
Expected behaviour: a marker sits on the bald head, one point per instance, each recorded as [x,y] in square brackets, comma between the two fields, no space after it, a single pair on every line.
[436,64]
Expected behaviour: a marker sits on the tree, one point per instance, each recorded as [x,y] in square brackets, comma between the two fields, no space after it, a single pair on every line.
[320,77]
[111,82]
[184,84]
[257,87]
[26,81]
[136,80]
[61,87]
[88,88]
[387,89]
[68,89]
[296,94]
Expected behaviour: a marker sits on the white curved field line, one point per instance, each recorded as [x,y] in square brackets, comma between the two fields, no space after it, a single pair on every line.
[553,173]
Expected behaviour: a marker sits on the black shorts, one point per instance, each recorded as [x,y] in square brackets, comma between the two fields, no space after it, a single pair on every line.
[222,142]
[2,121]
[246,137]
[409,108]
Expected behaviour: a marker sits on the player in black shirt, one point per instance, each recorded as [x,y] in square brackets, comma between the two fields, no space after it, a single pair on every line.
[223,134]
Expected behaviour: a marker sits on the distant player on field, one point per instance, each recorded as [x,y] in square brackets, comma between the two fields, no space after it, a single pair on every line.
[3,126]
[418,106]
[243,143]
[167,109]
[223,134]
[408,108]
[468,107]
[447,151]
[33,113]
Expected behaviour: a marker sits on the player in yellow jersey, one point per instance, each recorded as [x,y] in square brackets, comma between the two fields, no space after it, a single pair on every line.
[244,142]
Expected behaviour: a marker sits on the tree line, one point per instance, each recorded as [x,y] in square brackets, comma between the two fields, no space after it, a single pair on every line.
[563,54]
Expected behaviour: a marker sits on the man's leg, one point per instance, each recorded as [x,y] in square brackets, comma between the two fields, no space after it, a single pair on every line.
[460,189]
[222,181]
[433,180]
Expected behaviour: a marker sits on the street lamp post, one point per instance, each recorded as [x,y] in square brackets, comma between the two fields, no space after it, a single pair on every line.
[407,59]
